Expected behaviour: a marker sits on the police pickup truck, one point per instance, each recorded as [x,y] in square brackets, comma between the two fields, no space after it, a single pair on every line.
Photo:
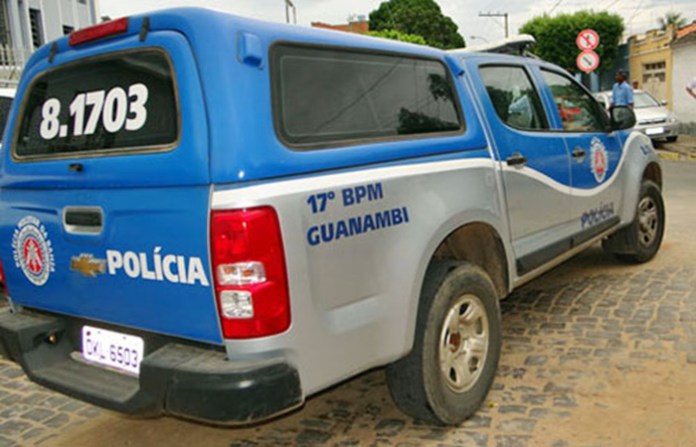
[213,217]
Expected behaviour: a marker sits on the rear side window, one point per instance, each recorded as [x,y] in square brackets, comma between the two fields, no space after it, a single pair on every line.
[117,102]
[328,97]
[514,97]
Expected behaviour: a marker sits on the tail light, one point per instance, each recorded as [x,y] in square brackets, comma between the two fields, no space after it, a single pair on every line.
[251,285]
[98,31]
[2,278]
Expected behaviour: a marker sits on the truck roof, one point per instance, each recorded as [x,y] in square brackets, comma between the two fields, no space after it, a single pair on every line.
[205,26]
[500,58]
[230,88]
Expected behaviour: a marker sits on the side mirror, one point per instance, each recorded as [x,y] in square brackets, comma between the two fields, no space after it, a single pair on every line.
[622,118]
[664,103]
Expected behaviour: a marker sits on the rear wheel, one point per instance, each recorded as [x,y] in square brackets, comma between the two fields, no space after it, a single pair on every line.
[457,343]
[640,241]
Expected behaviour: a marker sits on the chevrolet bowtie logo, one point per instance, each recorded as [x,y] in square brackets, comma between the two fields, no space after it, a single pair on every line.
[87,265]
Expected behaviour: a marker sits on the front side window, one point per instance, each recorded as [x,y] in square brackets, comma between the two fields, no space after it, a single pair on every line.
[579,111]
[514,97]
[117,102]
[330,97]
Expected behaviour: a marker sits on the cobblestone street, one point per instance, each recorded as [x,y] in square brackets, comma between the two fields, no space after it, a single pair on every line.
[595,353]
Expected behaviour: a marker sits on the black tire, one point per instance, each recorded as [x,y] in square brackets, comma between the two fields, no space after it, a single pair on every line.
[632,244]
[672,139]
[416,382]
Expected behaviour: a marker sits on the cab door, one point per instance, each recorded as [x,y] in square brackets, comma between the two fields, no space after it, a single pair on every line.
[534,162]
[595,155]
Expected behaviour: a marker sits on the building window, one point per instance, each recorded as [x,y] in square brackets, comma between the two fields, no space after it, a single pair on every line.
[67,29]
[37,37]
[654,66]
[4,26]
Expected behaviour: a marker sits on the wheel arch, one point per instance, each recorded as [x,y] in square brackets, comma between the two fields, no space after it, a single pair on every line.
[462,239]
[653,172]
[480,244]
[641,163]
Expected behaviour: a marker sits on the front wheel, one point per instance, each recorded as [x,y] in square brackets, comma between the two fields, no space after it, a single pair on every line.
[640,241]
[672,139]
[456,349]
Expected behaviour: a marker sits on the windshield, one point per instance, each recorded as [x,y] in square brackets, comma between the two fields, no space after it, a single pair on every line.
[642,100]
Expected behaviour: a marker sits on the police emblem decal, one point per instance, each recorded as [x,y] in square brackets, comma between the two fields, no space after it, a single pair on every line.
[32,250]
[599,161]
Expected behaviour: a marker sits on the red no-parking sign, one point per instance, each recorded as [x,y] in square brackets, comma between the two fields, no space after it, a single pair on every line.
[587,40]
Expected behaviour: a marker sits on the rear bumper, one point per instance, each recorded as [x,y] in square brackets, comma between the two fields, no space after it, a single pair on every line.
[176,379]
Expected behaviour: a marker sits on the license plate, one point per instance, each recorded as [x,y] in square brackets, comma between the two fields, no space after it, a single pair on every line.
[121,351]
[654,130]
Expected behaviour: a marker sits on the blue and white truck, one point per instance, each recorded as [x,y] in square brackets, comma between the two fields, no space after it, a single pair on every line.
[214,217]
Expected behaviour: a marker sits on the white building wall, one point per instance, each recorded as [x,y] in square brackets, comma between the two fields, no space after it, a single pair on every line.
[55,14]
[684,70]
[83,15]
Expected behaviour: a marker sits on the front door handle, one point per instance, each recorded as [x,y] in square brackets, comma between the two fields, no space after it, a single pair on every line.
[579,154]
[517,160]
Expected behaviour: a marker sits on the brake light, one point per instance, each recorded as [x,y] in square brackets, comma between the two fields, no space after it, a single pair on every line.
[251,285]
[2,278]
[98,31]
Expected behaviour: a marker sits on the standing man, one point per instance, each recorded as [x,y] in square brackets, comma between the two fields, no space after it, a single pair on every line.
[691,88]
[622,93]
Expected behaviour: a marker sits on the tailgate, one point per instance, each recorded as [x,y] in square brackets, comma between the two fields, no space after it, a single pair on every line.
[105,188]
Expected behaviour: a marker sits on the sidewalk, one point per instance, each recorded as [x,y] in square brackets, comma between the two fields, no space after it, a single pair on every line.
[683,149]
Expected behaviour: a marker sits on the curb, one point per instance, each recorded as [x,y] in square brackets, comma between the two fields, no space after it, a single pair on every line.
[676,156]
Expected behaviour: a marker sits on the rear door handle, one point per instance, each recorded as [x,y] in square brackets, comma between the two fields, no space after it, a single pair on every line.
[83,220]
[579,153]
[516,159]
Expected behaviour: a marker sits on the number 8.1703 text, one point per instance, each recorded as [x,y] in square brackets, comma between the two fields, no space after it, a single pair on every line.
[113,110]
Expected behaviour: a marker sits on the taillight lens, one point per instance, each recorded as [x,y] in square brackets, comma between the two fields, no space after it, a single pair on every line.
[98,31]
[2,277]
[251,283]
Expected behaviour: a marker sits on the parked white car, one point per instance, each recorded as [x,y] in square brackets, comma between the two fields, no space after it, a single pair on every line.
[653,118]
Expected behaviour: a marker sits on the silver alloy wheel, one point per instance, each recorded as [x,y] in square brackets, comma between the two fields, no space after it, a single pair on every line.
[464,341]
[647,221]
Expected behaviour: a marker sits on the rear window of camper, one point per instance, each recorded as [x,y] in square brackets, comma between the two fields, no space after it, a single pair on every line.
[117,102]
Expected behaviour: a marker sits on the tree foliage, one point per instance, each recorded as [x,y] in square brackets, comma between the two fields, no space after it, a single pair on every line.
[398,35]
[555,36]
[672,18]
[419,17]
